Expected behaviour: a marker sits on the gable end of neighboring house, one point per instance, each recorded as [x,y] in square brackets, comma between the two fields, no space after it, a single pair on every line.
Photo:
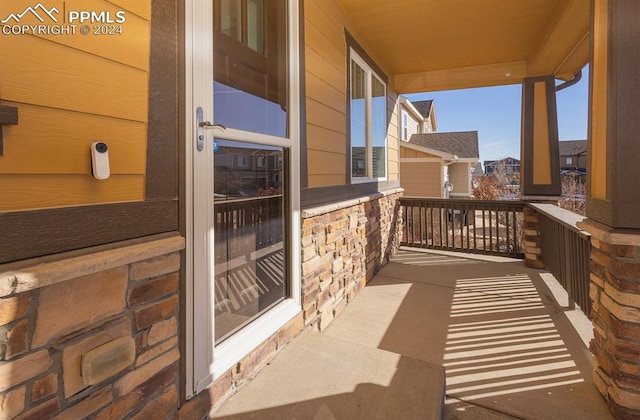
[430,160]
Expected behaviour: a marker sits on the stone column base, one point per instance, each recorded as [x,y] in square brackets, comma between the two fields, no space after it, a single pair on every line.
[615,291]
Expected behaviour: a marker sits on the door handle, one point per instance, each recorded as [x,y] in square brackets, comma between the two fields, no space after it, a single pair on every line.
[207,124]
[201,125]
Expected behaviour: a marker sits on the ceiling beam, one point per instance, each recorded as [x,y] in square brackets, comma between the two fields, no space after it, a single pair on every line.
[563,48]
[462,78]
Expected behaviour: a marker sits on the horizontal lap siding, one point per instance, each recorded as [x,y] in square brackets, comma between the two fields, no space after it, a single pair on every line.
[71,90]
[421,179]
[393,146]
[326,90]
[459,174]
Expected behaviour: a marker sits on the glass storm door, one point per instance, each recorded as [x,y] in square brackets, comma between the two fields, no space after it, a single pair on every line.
[245,134]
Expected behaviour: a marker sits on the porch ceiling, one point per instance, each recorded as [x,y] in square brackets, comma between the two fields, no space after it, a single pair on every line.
[432,45]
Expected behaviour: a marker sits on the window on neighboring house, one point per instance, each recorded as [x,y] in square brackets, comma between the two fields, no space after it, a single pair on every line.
[405,126]
[569,161]
[243,161]
[368,108]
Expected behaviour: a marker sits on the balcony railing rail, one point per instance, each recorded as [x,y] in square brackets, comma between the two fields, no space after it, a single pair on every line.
[566,251]
[473,226]
[255,222]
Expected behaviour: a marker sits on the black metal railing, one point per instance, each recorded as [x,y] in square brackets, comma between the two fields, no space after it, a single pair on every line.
[473,226]
[566,252]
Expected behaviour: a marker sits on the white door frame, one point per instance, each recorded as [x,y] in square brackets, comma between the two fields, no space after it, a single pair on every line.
[204,363]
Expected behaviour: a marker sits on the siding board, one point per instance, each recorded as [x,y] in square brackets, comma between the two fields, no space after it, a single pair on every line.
[326,94]
[420,179]
[327,163]
[141,8]
[130,48]
[326,140]
[332,31]
[323,116]
[317,40]
[319,67]
[47,191]
[38,72]
[49,141]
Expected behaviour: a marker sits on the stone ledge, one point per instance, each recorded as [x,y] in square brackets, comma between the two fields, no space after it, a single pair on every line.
[328,208]
[29,278]
[607,234]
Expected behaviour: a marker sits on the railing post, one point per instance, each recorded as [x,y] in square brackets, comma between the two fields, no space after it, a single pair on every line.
[532,239]
[566,242]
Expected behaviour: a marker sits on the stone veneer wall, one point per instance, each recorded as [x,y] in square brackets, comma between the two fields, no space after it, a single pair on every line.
[615,291]
[52,313]
[343,246]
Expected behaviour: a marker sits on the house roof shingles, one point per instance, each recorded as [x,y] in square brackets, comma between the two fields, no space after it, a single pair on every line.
[464,144]
[423,107]
[572,147]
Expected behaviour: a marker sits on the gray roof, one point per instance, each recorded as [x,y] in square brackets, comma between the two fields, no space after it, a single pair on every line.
[573,147]
[423,107]
[464,144]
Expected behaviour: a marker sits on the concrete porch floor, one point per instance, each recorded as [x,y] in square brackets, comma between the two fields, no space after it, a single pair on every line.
[509,347]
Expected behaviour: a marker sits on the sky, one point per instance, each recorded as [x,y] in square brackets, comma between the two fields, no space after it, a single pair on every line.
[495,113]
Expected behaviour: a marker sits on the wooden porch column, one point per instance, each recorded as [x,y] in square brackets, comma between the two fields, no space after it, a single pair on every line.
[613,202]
[539,163]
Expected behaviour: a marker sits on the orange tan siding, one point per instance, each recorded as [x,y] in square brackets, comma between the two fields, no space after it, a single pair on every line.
[326,90]
[459,176]
[421,179]
[405,152]
[72,90]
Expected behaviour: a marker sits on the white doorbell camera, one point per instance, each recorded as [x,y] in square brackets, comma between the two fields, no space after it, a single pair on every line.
[100,160]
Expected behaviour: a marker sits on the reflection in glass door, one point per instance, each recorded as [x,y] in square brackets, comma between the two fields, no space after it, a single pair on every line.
[250,196]
[250,232]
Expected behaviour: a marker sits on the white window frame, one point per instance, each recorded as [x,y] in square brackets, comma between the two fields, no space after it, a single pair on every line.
[370,73]
[405,125]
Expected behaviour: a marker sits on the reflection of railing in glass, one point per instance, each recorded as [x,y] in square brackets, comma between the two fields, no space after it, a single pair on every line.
[249,260]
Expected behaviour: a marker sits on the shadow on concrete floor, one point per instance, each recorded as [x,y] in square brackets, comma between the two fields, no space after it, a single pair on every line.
[508,348]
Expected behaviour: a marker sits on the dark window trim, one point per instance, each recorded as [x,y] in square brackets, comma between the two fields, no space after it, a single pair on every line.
[353,44]
[43,232]
[304,167]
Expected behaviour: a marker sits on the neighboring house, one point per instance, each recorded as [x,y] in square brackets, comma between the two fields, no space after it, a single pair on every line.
[428,161]
[428,111]
[573,155]
[477,170]
[509,165]
[415,118]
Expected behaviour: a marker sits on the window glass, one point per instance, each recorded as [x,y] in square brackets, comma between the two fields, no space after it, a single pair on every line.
[231,18]
[379,128]
[250,66]
[358,121]
[250,273]
[255,25]
[368,122]
[405,125]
